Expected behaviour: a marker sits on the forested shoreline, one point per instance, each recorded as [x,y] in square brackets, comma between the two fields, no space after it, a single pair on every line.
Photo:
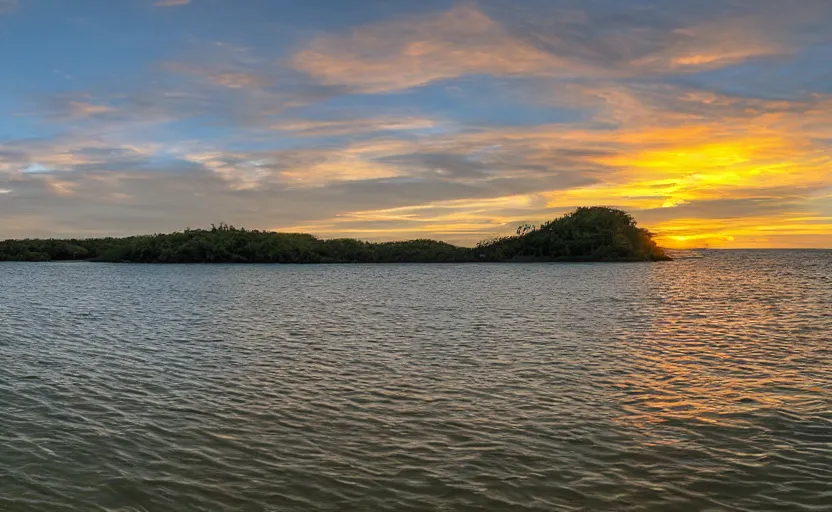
[587,234]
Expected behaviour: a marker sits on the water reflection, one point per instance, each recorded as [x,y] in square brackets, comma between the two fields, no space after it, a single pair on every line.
[731,340]
[699,384]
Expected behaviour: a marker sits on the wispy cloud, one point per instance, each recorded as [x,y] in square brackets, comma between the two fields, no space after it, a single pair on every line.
[229,78]
[171,3]
[466,41]
[318,128]
[8,5]
[401,54]
[81,109]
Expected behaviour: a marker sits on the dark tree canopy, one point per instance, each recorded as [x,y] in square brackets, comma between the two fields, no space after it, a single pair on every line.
[588,234]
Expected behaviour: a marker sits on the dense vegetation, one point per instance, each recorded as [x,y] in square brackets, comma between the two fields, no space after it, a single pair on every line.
[588,234]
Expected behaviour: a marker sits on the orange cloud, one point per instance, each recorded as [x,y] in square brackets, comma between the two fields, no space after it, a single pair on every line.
[60,187]
[238,80]
[83,109]
[719,43]
[336,170]
[217,76]
[440,211]
[465,41]
[297,169]
[464,221]
[401,54]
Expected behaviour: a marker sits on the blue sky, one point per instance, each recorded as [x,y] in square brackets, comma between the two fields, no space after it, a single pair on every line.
[710,121]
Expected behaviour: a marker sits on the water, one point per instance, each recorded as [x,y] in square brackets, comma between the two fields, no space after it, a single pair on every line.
[701,384]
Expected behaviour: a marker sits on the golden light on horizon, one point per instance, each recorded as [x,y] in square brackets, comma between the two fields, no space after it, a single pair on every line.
[461,120]
[757,167]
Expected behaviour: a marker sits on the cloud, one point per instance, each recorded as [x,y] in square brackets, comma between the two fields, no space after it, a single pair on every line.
[413,52]
[463,221]
[239,80]
[231,79]
[295,168]
[319,128]
[400,54]
[171,3]
[8,5]
[32,157]
[81,109]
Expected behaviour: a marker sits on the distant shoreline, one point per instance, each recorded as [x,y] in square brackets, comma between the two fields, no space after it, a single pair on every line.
[588,235]
[674,255]
[350,263]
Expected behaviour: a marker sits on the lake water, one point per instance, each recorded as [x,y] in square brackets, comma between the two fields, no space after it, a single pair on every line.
[700,384]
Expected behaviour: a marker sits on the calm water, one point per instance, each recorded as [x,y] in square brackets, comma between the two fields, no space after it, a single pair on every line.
[702,384]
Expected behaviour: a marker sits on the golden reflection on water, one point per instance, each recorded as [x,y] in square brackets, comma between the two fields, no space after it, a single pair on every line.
[721,348]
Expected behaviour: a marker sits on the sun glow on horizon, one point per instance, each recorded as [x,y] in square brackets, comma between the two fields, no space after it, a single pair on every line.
[710,124]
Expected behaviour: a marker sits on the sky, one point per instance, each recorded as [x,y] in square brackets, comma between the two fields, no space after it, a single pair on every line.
[710,120]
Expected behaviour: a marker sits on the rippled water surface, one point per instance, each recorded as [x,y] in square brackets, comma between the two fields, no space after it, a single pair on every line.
[700,384]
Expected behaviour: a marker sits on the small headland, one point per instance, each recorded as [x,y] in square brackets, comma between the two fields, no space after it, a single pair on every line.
[588,234]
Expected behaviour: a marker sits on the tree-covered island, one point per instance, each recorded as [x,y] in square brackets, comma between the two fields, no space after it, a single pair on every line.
[587,234]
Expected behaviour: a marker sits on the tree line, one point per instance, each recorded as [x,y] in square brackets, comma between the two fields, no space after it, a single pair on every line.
[587,234]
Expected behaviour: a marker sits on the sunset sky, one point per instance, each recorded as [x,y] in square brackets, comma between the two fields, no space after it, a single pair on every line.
[709,120]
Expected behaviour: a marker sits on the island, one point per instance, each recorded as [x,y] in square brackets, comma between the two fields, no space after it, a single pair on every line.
[588,234]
